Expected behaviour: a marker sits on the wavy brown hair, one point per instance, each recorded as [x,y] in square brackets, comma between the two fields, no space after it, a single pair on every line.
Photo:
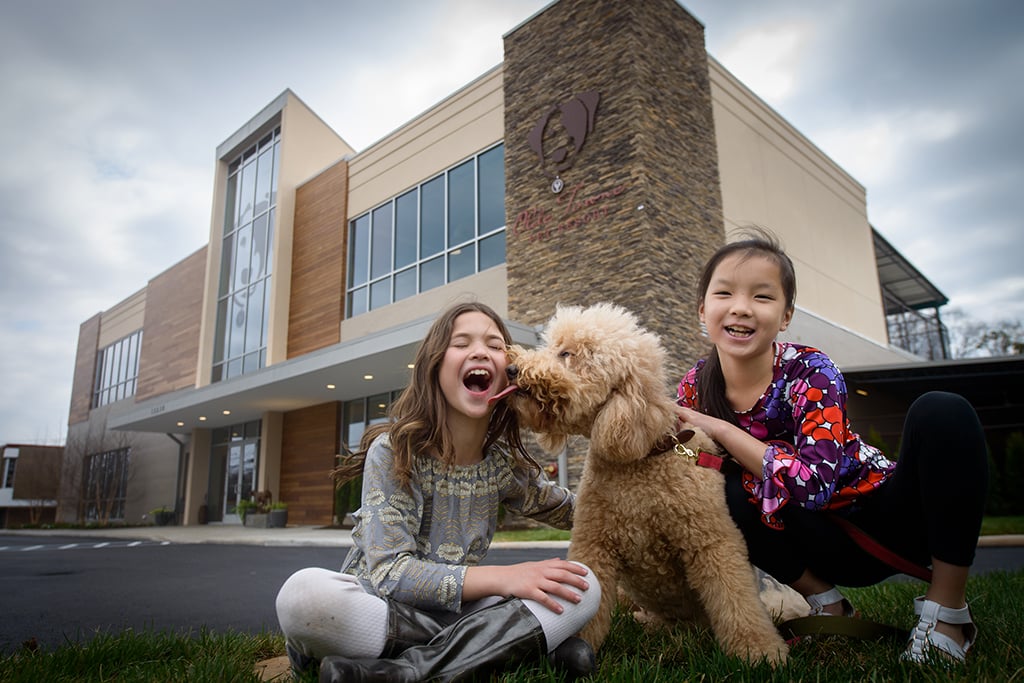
[417,422]
[755,241]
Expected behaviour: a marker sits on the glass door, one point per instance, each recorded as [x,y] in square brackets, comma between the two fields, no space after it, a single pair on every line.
[233,464]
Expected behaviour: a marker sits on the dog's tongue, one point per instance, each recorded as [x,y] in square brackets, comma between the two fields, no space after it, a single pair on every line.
[510,389]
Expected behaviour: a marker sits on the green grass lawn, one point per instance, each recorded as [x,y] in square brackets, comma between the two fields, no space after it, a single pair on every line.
[630,655]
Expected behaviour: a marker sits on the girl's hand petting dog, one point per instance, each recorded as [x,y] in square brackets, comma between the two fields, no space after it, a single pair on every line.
[541,582]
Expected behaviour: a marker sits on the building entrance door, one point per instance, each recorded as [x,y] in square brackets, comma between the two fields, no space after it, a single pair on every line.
[234,460]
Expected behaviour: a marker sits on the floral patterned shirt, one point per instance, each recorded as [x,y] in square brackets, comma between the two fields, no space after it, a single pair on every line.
[814,458]
[414,545]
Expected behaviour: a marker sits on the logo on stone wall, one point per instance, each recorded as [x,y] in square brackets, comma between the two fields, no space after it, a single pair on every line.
[560,133]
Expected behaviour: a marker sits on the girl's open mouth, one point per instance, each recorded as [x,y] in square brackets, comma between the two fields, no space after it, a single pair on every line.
[477,380]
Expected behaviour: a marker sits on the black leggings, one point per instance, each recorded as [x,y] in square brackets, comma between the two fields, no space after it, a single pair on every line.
[930,507]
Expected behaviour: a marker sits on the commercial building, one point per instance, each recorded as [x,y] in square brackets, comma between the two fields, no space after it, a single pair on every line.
[29,477]
[603,160]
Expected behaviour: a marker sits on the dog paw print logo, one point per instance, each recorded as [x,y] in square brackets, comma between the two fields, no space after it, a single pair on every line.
[560,133]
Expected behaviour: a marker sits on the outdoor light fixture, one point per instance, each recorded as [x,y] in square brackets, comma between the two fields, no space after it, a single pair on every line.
[367,377]
[330,386]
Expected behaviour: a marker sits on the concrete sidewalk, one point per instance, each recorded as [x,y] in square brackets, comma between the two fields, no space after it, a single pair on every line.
[236,534]
[311,536]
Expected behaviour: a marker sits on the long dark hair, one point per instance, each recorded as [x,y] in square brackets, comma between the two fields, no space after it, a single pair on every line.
[755,241]
[417,422]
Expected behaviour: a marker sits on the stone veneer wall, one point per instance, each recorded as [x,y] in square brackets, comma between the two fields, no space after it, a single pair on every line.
[641,207]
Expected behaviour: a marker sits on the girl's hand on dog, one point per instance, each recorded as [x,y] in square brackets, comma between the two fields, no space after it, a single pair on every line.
[541,582]
[709,425]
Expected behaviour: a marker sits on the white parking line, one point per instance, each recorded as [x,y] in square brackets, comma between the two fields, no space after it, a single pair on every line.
[32,547]
[69,546]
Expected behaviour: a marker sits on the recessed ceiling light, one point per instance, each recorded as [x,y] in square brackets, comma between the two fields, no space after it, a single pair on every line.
[411,366]
[181,424]
[367,377]
[202,418]
[330,386]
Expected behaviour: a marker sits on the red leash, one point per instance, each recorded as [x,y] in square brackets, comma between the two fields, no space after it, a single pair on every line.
[873,547]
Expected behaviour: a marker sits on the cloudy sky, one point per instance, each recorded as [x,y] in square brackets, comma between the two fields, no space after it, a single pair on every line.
[112,111]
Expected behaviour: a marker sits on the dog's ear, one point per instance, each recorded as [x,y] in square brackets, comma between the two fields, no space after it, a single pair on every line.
[551,443]
[626,427]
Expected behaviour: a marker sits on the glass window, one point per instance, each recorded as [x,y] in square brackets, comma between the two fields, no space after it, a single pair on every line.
[432,217]
[447,228]
[380,248]
[461,263]
[105,485]
[461,204]
[432,274]
[117,368]
[491,191]
[246,261]
[405,284]
[492,251]
[359,251]
[406,229]
[359,414]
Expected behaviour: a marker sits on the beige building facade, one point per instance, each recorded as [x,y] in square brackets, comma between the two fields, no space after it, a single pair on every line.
[603,160]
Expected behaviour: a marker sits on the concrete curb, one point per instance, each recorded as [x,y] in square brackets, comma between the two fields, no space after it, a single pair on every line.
[312,536]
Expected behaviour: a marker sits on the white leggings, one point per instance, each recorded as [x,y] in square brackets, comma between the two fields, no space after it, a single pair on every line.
[324,612]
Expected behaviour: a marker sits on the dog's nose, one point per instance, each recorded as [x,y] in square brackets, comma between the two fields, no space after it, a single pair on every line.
[512,371]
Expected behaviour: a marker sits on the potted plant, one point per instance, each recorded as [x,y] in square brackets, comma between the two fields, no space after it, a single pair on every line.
[243,508]
[162,516]
[277,517]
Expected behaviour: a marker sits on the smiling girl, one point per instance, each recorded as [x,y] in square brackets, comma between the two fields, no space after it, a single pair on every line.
[779,409]
[412,601]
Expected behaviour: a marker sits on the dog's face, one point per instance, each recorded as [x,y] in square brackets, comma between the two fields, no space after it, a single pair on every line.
[596,373]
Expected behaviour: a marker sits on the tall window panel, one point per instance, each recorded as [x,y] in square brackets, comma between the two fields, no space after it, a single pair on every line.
[117,370]
[444,229]
[105,485]
[359,414]
[243,299]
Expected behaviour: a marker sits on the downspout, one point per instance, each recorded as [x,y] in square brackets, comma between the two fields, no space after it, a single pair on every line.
[179,498]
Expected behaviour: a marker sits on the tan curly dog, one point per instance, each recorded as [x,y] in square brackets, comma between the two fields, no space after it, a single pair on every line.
[649,522]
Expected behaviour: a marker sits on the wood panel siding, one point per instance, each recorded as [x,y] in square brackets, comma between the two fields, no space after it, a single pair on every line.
[316,305]
[84,379]
[170,335]
[309,443]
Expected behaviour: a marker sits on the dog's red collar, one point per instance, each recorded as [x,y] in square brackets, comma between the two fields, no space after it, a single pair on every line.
[677,444]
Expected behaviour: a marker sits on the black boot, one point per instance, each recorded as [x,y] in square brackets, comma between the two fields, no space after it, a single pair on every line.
[575,657]
[480,641]
[407,627]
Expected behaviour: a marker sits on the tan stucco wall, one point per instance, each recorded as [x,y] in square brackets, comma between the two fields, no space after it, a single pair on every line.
[774,177]
[123,319]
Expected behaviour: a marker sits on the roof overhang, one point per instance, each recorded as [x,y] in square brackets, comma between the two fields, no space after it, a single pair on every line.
[293,384]
[904,284]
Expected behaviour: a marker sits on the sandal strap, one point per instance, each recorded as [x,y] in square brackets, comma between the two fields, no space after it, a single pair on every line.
[924,636]
[818,601]
[931,611]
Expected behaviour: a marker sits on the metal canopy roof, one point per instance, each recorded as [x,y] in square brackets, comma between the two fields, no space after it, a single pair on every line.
[905,285]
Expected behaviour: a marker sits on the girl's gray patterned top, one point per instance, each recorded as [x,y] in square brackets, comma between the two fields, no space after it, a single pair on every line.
[414,545]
